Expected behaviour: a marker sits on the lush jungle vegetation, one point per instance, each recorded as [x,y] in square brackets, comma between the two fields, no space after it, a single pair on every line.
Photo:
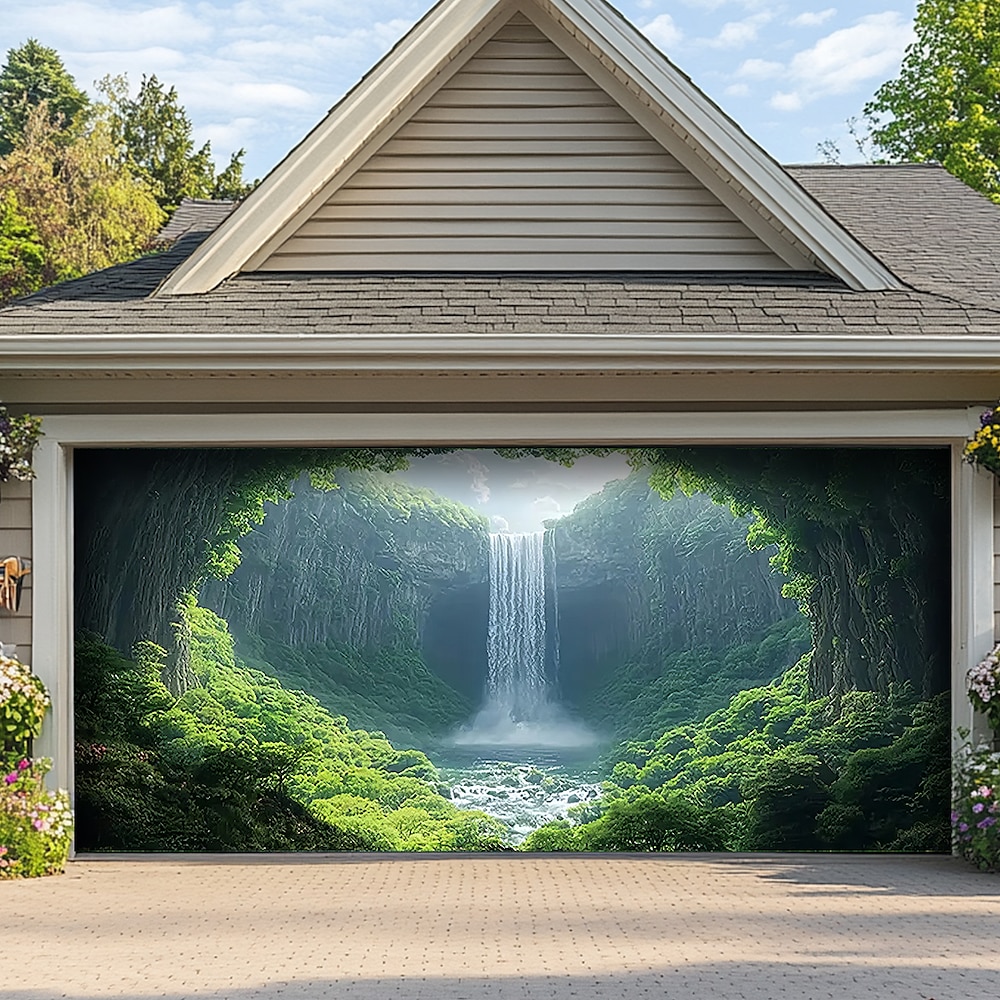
[768,661]
[777,770]
[239,763]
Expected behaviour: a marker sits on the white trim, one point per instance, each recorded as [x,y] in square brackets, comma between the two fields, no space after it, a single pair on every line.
[714,133]
[504,352]
[52,596]
[440,38]
[621,428]
[972,582]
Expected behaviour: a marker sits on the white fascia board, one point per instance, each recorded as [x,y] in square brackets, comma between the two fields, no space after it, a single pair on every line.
[877,427]
[507,352]
[429,45]
[715,132]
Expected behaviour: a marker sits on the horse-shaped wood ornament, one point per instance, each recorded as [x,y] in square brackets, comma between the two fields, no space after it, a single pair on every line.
[13,570]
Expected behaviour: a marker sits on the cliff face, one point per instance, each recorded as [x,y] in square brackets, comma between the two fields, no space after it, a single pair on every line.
[642,576]
[374,566]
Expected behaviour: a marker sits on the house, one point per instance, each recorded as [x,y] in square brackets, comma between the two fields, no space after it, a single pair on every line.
[525,225]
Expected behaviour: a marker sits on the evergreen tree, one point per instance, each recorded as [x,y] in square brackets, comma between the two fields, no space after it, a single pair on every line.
[32,75]
[156,136]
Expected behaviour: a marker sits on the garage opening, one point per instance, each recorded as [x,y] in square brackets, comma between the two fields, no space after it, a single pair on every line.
[453,649]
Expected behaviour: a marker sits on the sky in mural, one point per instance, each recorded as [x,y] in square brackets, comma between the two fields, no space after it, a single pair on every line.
[259,73]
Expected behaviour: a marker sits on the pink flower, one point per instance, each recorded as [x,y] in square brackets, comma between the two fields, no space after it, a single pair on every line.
[23,765]
[12,777]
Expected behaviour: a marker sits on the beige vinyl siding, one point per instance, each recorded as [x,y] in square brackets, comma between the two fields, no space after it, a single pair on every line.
[521,162]
[15,540]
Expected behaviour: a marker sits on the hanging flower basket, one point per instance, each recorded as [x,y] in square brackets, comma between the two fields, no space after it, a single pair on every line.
[984,687]
[18,437]
[983,448]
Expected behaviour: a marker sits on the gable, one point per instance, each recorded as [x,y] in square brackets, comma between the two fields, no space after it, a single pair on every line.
[528,135]
[521,161]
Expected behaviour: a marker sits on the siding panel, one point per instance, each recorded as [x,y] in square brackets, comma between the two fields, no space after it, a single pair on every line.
[15,540]
[522,162]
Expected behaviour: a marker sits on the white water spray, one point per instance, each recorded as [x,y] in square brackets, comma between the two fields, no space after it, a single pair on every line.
[520,709]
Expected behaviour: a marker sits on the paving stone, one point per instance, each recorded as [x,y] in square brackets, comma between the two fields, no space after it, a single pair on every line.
[362,927]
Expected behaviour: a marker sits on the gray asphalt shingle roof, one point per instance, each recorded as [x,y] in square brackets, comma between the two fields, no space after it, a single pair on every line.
[938,236]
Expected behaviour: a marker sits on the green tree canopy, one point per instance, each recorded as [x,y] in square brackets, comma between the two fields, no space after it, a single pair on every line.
[157,141]
[33,75]
[68,209]
[945,103]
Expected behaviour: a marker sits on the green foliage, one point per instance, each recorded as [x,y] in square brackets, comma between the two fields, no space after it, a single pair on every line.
[645,821]
[390,689]
[644,697]
[69,207]
[239,763]
[863,536]
[19,436]
[34,75]
[945,104]
[156,136]
[23,263]
[23,704]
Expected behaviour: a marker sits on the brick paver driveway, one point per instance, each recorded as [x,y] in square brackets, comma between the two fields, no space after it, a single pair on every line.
[374,928]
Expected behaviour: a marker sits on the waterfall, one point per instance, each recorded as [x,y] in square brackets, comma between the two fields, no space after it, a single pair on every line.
[515,645]
[521,708]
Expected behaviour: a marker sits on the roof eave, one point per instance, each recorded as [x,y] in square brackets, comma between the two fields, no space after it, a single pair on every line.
[437,352]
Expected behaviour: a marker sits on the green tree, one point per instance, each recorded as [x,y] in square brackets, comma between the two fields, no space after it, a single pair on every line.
[68,209]
[945,103]
[23,260]
[33,75]
[156,139]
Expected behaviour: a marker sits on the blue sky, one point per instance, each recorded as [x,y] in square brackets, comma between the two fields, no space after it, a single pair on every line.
[261,73]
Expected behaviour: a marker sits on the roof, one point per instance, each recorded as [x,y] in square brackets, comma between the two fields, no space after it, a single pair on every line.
[616,58]
[951,289]
[194,215]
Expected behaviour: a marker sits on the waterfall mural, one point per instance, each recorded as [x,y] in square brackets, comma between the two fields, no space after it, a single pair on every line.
[551,649]
[518,688]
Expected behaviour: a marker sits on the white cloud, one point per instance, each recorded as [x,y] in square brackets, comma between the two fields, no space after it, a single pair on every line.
[737,90]
[782,101]
[760,69]
[813,18]
[90,25]
[738,34]
[662,32]
[841,62]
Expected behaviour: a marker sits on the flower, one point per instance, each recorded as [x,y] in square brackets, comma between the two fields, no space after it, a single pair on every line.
[985,824]
[23,765]
[978,807]
[11,778]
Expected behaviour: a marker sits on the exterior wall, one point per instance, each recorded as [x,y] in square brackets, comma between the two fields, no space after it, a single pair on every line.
[522,162]
[996,558]
[15,540]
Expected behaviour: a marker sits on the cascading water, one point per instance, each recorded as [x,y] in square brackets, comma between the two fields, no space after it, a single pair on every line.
[525,760]
[515,645]
[521,706]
